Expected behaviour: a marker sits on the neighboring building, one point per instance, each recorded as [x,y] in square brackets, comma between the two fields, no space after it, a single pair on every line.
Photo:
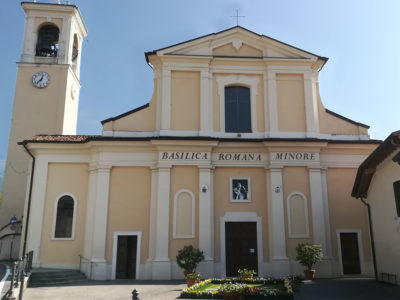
[378,184]
[234,154]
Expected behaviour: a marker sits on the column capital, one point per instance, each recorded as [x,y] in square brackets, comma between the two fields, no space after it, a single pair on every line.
[97,168]
[206,168]
[163,168]
[205,73]
[271,75]
[273,168]
[314,169]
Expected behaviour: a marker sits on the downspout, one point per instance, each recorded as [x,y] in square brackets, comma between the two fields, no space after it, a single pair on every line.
[372,238]
[28,210]
[29,200]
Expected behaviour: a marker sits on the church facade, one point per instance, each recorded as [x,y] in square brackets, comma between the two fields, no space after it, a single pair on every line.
[234,154]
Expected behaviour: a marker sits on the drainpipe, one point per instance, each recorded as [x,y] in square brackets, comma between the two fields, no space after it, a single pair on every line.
[21,288]
[372,238]
[29,200]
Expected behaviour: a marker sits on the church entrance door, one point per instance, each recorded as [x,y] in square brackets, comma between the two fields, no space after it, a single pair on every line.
[350,253]
[240,247]
[126,257]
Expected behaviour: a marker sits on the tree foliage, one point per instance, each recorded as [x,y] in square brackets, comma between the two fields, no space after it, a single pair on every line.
[188,258]
[309,255]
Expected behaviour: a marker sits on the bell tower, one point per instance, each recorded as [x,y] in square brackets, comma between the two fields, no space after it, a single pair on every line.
[46,92]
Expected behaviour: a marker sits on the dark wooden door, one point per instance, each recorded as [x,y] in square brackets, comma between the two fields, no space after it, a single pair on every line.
[350,253]
[240,247]
[126,257]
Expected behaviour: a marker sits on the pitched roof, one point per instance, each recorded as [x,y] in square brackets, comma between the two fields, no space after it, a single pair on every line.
[367,169]
[74,139]
[211,35]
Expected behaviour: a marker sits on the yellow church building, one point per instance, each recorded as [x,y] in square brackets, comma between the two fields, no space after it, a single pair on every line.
[234,154]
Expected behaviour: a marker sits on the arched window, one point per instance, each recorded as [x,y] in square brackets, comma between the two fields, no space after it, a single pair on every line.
[47,43]
[237,109]
[64,218]
[75,50]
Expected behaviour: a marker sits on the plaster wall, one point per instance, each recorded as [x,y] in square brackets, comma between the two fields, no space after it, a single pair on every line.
[35,111]
[346,212]
[383,212]
[296,179]
[244,50]
[291,102]
[129,206]
[183,177]
[68,179]
[185,100]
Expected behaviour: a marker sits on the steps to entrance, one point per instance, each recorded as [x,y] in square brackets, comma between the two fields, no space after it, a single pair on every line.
[48,277]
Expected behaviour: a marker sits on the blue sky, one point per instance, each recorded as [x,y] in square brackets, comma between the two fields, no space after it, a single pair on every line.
[361,38]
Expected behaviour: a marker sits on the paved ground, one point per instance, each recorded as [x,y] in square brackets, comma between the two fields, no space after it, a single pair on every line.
[163,290]
[103,290]
[348,288]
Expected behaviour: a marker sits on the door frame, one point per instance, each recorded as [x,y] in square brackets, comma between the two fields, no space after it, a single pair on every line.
[115,245]
[241,217]
[360,248]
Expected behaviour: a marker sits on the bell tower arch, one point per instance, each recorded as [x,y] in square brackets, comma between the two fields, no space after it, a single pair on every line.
[46,93]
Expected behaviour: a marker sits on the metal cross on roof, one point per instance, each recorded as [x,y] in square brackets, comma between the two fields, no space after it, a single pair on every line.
[237,17]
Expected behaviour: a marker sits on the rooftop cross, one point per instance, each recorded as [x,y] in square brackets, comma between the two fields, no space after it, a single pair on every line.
[237,17]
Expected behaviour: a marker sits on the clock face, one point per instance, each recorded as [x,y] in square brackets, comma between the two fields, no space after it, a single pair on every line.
[74,91]
[41,79]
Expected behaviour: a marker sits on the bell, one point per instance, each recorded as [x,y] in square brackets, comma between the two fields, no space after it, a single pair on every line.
[47,44]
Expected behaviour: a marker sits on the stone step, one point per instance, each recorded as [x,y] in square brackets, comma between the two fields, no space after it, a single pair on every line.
[49,278]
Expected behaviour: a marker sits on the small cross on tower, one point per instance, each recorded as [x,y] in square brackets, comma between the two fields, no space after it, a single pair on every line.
[237,17]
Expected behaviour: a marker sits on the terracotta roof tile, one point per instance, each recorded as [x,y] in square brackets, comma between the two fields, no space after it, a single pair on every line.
[59,138]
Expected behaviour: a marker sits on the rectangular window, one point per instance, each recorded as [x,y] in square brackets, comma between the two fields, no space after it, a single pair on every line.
[396,187]
[237,109]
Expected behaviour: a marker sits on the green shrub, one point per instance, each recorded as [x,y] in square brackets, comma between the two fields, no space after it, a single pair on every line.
[188,258]
[309,255]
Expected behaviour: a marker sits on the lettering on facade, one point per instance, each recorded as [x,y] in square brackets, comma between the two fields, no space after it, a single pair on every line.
[299,156]
[167,155]
[184,155]
[239,156]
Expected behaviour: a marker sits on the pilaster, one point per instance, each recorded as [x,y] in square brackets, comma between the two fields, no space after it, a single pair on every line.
[206,220]
[317,207]
[311,104]
[279,260]
[96,222]
[38,198]
[326,213]
[153,222]
[161,265]
[272,103]
[30,37]
[266,106]
[206,111]
[165,99]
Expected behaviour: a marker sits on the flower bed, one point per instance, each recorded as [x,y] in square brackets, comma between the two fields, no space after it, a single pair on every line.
[257,288]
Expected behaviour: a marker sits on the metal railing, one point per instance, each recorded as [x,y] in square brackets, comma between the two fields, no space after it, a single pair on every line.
[19,269]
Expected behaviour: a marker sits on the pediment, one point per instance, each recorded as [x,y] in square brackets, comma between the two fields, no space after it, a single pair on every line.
[237,41]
